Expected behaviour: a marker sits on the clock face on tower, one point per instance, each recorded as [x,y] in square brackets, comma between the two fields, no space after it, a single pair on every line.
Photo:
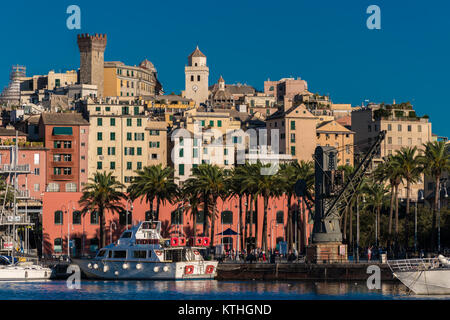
[194,87]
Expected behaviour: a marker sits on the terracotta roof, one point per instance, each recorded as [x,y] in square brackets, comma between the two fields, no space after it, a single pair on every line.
[11,132]
[63,119]
[197,53]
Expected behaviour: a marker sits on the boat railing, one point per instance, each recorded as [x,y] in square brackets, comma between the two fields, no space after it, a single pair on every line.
[413,264]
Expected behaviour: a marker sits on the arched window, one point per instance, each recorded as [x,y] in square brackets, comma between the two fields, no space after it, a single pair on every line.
[58,217]
[72,187]
[94,217]
[57,245]
[53,187]
[280,217]
[76,219]
[227,217]
[176,217]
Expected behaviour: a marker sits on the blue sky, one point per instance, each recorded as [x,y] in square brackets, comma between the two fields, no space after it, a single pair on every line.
[326,43]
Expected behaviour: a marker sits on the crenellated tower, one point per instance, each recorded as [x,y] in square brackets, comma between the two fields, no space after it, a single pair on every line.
[92,49]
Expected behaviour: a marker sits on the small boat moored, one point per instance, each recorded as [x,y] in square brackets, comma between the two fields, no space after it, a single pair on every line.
[141,253]
[427,276]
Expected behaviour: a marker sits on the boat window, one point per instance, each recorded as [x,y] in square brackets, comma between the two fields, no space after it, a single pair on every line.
[139,254]
[126,234]
[110,254]
[101,253]
[149,253]
[120,254]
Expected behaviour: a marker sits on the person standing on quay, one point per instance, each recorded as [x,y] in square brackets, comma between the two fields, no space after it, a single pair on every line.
[369,252]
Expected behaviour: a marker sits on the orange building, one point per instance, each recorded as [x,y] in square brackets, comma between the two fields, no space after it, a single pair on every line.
[65,135]
[59,208]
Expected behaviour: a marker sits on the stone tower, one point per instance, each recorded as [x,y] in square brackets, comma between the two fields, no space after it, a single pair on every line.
[92,59]
[197,73]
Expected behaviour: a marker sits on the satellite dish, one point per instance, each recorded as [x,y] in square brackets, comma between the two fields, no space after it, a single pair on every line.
[300,188]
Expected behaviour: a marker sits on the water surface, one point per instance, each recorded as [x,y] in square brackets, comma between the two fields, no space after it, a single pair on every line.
[203,290]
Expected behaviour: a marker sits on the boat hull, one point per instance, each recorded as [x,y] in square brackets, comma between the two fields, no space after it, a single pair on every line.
[146,270]
[11,273]
[426,282]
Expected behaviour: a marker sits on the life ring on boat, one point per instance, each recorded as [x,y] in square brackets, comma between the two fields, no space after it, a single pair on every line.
[196,252]
[188,269]
[158,253]
[209,269]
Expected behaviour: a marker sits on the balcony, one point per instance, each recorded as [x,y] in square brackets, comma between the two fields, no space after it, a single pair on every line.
[23,194]
[17,219]
[63,150]
[62,177]
[61,164]
[21,168]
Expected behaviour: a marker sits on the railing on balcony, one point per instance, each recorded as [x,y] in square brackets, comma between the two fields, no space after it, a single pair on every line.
[24,168]
[23,194]
[62,177]
[17,219]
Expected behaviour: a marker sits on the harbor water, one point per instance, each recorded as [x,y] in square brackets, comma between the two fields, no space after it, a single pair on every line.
[204,290]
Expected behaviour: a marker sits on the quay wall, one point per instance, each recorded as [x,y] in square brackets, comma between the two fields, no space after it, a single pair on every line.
[300,271]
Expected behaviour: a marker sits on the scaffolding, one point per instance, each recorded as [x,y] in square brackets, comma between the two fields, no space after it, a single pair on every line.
[10,218]
[11,93]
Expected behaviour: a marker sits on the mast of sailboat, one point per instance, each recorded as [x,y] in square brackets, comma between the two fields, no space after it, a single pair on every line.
[15,206]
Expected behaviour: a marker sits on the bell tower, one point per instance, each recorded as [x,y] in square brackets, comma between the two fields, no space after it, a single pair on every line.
[92,49]
[196,78]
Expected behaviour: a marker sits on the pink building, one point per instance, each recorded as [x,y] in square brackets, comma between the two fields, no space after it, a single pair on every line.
[285,89]
[35,157]
[84,230]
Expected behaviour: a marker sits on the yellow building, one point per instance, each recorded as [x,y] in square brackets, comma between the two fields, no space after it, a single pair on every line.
[333,134]
[221,119]
[121,80]
[297,132]
[168,105]
[122,139]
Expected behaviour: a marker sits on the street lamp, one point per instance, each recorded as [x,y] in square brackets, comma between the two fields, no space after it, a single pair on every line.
[271,233]
[111,223]
[439,209]
[357,225]
[129,206]
[421,198]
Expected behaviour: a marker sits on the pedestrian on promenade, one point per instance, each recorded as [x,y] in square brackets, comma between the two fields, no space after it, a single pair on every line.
[369,253]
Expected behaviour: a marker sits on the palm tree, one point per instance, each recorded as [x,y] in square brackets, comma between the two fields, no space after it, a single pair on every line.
[390,171]
[102,194]
[267,185]
[234,186]
[411,169]
[289,174]
[190,196]
[209,181]
[347,170]
[436,160]
[249,191]
[376,198]
[154,182]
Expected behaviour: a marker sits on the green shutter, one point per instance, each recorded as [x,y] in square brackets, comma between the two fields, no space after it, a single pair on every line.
[181,169]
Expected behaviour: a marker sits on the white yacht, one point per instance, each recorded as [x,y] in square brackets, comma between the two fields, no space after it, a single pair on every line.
[428,276]
[141,253]
[23,271]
